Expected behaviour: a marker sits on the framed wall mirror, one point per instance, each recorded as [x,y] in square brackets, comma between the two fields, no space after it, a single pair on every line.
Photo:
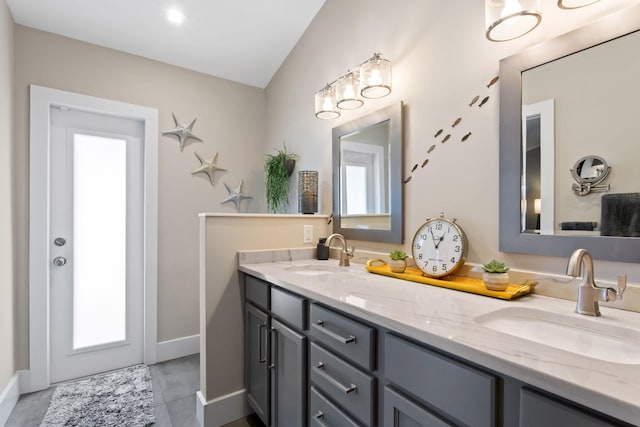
[570,98]
[367,177]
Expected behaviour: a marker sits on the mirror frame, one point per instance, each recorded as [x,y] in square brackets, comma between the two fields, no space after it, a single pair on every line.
[395,234]
[622,249]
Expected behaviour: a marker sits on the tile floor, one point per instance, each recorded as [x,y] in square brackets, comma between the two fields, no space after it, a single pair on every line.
[175,383]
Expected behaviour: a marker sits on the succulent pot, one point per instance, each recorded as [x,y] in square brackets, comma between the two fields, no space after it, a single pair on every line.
[398,265]
[496,281]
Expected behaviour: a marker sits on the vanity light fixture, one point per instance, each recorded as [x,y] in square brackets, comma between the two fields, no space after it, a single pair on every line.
[510,19]
[375,74]
[575,4]
[348,91]
[372,79]
[326,103]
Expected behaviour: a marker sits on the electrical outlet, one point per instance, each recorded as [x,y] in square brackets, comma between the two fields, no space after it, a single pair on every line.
[308,234]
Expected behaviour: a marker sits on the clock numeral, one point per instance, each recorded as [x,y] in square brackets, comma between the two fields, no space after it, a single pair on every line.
[423,237]
[419,256]
[456,237]
[435,268]
[457,249]
[453,260]
[425,264]
[439,226]
[418,245]
[444,267]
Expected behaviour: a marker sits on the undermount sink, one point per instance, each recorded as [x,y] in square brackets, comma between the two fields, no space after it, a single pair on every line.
[590,337]
[323,269]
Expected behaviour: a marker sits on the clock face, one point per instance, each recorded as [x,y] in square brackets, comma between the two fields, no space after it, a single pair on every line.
[439,247]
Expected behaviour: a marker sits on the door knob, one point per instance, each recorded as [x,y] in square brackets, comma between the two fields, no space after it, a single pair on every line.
[59,261]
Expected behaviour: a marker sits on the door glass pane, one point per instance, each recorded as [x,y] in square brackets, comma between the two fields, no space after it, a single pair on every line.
[356,183]
[99,238]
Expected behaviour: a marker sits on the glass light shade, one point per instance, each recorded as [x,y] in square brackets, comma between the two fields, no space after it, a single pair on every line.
[574,4]
[308,192]
[348,91]
[510,19]
[375,77]
[326,103]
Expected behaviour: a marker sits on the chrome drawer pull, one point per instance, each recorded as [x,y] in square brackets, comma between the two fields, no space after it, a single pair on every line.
[346,390]
[317,417]
[337,337]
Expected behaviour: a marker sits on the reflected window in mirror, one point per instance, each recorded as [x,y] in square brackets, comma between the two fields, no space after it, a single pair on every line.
[367,187]
[591,76]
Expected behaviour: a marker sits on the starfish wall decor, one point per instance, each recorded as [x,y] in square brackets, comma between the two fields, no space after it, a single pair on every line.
[183,132]
[235,195]
[208,167]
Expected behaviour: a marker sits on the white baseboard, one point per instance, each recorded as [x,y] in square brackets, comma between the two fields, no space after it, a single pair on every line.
[221,410]
[11,393]
[179,347]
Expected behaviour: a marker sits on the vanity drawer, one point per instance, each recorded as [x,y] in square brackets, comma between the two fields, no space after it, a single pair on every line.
[344,335]
[537,409]
[289,307]
[461,392]
[256,291]
[323,413]
[400,411]
[344,383]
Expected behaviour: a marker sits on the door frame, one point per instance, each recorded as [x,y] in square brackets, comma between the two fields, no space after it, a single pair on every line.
[42,99]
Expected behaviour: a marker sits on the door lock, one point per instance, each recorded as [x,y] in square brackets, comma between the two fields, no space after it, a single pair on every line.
[59,241]
[59,261]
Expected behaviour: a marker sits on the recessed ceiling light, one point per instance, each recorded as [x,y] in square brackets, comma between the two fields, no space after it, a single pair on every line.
[175,16]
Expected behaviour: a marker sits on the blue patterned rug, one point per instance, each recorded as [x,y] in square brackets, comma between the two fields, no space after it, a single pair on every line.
[120,398]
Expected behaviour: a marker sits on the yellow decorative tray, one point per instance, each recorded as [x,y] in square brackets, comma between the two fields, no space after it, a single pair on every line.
[458,283]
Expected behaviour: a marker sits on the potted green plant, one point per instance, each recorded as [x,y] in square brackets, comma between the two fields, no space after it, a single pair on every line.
[398,262]
[278,168]
[495,276]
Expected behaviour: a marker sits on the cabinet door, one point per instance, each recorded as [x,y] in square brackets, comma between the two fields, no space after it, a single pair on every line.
[288,376]
[257,370]
[399,411]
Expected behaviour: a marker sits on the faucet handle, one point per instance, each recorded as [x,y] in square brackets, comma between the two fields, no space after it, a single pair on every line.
[622,285]
[350,253]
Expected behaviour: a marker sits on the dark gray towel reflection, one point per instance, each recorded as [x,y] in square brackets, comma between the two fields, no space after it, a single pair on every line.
[620,215]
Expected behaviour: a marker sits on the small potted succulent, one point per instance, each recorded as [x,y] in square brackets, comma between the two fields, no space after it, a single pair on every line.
[398,261]
[495,276]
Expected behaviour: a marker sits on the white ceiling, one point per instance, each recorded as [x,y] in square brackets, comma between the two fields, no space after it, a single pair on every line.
[241,40]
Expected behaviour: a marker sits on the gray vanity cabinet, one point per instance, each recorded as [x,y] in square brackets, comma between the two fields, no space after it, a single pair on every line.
[257,369]
[288,376]
[275,354]
[310,364]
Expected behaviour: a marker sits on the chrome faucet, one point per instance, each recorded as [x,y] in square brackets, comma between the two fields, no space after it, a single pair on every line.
[588,292]
[344,254]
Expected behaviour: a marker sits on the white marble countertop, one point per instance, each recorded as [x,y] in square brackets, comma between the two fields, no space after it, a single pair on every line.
[445,319]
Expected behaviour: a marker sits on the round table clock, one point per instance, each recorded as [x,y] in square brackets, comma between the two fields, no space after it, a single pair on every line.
[439,247]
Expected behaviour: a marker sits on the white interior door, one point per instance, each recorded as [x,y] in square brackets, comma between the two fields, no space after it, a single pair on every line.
[96,238]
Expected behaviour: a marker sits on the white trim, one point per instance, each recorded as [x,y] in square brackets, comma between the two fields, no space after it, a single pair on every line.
[41,98]
[11,393]
[221,410]
[179,347]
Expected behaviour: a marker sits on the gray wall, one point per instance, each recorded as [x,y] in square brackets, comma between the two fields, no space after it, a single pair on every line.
[7,239]
[230,119]
[441,60]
